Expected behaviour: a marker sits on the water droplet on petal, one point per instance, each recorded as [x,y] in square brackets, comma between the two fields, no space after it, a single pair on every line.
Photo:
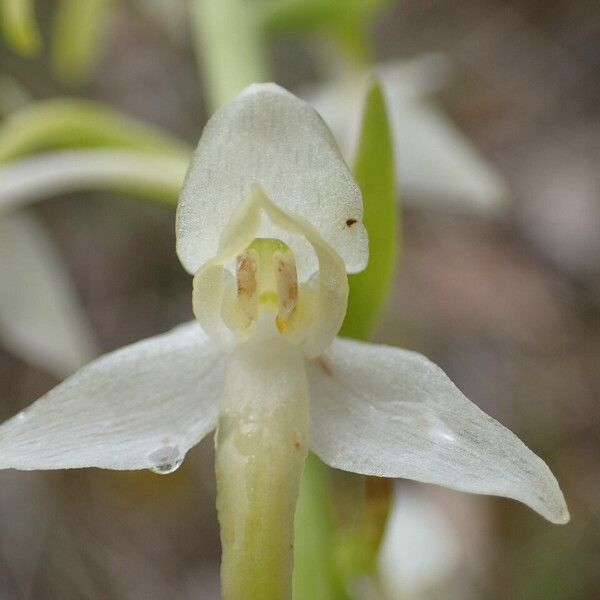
[166,460]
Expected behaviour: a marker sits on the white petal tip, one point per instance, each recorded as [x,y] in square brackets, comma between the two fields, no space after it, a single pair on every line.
[562,517]
[266,87]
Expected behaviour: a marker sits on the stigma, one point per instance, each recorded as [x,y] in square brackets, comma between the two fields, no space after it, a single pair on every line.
[267,282]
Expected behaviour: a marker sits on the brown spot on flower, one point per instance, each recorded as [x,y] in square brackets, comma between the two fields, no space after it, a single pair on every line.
[350,222]
[326,368]
[296,444]
[246,276]
[293,292]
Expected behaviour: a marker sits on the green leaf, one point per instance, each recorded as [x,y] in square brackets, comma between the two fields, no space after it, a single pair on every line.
[374,172]
[314,570]
[344,21]
[77,32]
[328,553]
[19,27]
[229,47]
[307,15]
[67,123]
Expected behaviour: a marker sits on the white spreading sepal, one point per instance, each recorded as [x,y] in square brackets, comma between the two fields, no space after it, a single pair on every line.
[384,411]
[139,407]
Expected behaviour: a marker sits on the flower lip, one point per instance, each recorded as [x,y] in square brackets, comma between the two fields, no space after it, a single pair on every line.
[268,137]
[307,312]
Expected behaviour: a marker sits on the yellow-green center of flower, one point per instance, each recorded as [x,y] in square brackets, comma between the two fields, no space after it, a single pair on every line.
[267,281]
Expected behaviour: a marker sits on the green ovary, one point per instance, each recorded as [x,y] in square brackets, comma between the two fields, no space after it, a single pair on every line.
[261,447]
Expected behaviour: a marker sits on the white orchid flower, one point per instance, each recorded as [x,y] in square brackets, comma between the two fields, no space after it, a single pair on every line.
[269,223]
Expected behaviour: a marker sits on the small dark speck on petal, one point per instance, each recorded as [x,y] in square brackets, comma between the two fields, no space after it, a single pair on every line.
[350,222]
[326,368]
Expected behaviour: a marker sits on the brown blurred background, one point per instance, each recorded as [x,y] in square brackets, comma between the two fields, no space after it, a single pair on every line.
[510,307]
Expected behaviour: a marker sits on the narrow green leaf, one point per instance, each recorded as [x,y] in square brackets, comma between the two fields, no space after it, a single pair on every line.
[306,15]
[19,27]
[68,123]
[229,47]
[314,570]
[345,22]
[374,172]
[77,33]
[327,552]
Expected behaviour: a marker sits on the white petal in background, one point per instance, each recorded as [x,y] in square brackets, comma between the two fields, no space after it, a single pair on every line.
[40,317]
[420,549]
[142,406]
[266,136]
[38,177]
[385,411]
[436,163]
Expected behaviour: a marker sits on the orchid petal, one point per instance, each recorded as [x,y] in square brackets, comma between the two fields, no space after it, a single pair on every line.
[139,407]
[324,296]
[389,412]
[268,137]
[41,319]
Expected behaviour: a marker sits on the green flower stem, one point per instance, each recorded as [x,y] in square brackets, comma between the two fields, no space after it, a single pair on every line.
[314,547]
[261,446]
[18,24]
[229,46]
[78,29]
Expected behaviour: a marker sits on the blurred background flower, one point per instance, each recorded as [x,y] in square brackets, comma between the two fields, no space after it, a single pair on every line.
[509,305]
